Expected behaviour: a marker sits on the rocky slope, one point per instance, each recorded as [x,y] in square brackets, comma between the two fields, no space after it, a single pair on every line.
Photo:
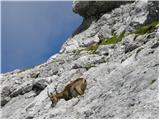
[115,49]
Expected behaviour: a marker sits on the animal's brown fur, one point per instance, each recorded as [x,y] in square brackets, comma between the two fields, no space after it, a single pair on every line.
[73,89]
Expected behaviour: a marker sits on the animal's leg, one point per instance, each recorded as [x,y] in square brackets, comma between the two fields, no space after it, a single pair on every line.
[82,95]
[79,91]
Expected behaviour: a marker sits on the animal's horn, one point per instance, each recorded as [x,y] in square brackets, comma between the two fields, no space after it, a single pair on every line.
[55,88]
[49,95]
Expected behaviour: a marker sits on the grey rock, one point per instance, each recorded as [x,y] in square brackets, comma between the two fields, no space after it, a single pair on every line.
[34,75]
[126,18]
[95,8]
[130,48]
[103,50]
[87,60]
[4,100]
[39,85]
[122,78]
[24,88]
[84,25]
[105,32]
[140,13]
[155,45]
[5,92]
[153,7]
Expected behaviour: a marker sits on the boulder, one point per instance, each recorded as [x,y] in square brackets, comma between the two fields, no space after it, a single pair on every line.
[5,95]
[95,8]
[103,50]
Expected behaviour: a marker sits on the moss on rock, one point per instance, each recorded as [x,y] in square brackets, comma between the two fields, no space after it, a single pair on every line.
[146,28]
[112,40]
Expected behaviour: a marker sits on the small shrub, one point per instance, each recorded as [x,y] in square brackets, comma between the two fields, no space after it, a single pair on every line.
[113,40]
[120,37]
[146,28]
[92,48]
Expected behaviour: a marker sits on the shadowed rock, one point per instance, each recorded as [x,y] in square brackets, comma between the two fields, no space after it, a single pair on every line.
[95,8]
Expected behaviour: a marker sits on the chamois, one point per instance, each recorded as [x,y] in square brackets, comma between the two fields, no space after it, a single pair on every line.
[73,89]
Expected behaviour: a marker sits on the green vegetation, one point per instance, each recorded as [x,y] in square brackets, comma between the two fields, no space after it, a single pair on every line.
[113,40]
[92,48]
[146,28]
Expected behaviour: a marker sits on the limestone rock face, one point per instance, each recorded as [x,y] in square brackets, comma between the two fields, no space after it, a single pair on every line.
[125,18]
[95,8]
[116,52]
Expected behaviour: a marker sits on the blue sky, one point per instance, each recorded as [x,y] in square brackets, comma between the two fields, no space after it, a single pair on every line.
[34,31]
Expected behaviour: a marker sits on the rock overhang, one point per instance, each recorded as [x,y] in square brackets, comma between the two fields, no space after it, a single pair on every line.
[95,8]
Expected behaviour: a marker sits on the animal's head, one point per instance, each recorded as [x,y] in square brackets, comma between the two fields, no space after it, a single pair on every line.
[53,98]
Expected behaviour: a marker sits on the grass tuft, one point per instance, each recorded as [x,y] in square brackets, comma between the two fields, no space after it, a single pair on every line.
[113,40]
[92,48]
[146,28]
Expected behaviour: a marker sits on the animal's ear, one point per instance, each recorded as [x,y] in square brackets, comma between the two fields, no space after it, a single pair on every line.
[84,80]
[55,88]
